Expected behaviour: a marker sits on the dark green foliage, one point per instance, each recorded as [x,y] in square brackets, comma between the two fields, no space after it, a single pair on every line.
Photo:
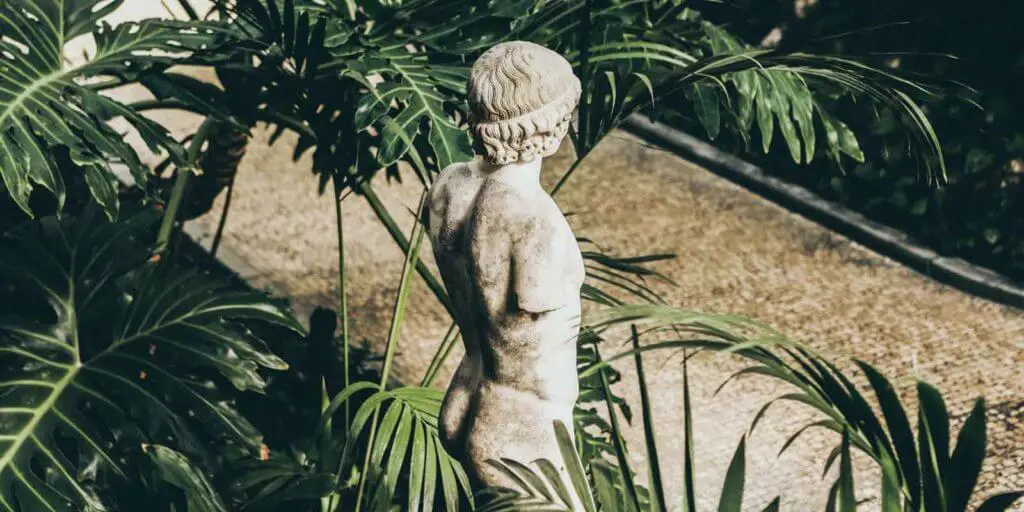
[405,75]
[103,350]
[129,382]
[178,470]
[973,52]
[45,104]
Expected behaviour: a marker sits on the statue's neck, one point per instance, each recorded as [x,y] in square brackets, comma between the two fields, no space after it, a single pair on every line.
[517,174]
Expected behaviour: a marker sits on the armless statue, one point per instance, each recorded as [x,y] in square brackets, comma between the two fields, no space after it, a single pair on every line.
[511,265]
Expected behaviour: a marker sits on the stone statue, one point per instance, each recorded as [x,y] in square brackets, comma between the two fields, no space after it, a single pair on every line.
[511,265]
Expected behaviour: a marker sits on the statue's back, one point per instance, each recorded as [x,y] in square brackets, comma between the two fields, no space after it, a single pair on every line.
[451,203]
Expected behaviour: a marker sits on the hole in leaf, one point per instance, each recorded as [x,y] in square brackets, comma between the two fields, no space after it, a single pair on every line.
[15,43]
[102,4]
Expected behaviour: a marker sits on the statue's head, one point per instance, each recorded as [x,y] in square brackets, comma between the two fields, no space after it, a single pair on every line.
[522,97]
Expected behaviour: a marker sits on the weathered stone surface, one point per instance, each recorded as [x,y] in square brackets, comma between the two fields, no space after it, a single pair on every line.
[511,265]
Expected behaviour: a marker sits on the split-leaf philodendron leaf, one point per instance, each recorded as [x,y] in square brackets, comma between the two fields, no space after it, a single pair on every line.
[46,102]
[104,343]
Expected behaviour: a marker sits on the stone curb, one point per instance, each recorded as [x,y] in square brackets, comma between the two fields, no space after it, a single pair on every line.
[887,241]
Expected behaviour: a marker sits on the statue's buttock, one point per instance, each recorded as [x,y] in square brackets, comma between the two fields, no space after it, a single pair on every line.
[511,265]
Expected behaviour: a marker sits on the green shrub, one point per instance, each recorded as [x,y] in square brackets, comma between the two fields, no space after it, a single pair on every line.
[971,56]
[131,380]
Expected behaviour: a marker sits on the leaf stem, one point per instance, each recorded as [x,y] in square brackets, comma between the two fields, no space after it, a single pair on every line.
[654,466]
[583,115]
[189,10]
[411,259]
[620,445]
[447,344]
[180,181]
[565,177]
[223,218]
[342,295]
[385,217]
[689,492]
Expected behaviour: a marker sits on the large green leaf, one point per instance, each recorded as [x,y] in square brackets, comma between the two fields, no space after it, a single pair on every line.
[45,102]
[101,340]
[415,98]
[178,470]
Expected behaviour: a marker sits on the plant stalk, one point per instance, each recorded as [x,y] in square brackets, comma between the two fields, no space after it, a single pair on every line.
[223,219]
[449,341]
[385,217]
[654,465]
[331,503]
[342,295]
[689,492]
[583,118]
[190,11]
[411,259]
[180,182]
[620,446]
[435,286]
[565,177]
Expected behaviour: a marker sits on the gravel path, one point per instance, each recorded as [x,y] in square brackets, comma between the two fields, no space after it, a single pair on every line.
[737,253]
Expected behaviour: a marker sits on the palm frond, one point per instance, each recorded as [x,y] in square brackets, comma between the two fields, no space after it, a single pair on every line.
[406,460]
[917,471]
[543,487]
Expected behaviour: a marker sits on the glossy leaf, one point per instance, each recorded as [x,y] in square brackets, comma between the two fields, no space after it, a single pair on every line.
[176,469]
[118,342]
[44,103]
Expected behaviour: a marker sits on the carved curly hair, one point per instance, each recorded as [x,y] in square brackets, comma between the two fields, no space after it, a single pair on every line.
[522,97]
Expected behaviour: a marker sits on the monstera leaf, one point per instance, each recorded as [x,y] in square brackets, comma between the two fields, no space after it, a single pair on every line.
[411,59]
[45,102]
[100,342]
[415,99]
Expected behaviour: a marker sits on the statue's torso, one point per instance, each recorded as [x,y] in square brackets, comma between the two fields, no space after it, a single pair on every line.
[505,251]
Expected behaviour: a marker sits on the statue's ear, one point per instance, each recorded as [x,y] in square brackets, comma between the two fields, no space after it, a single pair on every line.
[538,267]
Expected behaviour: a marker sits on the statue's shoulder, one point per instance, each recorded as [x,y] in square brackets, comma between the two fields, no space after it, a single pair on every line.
[449,177]
[455,185]
[523,209]
[454,171]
